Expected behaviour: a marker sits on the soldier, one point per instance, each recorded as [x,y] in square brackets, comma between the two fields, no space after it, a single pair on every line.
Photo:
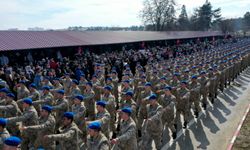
[56,85]
[22,91]
[12,143]
[46,126]
[110,106]
[28,118]
[127,136]
[74,91]
[153,125]
[129,102]
[46,98]
[182,103]
[89,101]
[212,80]
[96,140]
[11,110]
[68,136]
[115,81]
[203,80]
[82,82]
[104,117]
[125,87]
[3,132]
[46,82]
[3,93]
[67,84]
[60,107]
[34,94]
[195,88]
[168,101]
[79,110]
[142,102]
[96,87]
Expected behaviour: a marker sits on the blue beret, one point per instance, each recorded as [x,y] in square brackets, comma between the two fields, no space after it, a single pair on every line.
[168,88]
[127,110]
[47,108]
[67,74]
[187,70]
[176,74]
[33,85]
[152,96]
[101,103]
[108,88]
[3,121]
[163,78]
[22,82]
[126,81]
[82,75]
[194,77]
[94,76]
[184,82]
[110,79]
[69,115]
[11,95]
[148,84]
[12,141]
[56,79]
[60,91]
[114,72]
[47,77]
[194,67]
[143,76]
[129,93]
[75,81]
[89,83]
[46,88]
[28,101]
[203,72]
[80,97]
[4,90]
[95,125]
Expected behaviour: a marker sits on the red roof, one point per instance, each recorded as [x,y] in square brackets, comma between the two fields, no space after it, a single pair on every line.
[21,40]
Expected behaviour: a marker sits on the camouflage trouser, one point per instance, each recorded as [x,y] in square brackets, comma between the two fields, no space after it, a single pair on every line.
[28,139]
[204,94]
[90,112]
[183,108]
[148,138]
[195,99]
[46,144]
[141,116]
[168,120]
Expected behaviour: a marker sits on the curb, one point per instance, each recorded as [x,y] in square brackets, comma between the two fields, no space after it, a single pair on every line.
[236,133]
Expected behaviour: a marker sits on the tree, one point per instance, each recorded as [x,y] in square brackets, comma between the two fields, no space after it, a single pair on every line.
[205,17]
[227,25]
[246,20]
[183,22]
[158,13]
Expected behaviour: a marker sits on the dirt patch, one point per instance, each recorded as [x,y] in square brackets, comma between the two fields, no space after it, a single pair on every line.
[243,140]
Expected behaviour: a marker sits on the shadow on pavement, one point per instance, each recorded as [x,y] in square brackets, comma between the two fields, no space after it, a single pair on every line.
[209,123]
[200,135]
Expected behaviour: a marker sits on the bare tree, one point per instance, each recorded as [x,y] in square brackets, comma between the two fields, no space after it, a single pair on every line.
[158,13]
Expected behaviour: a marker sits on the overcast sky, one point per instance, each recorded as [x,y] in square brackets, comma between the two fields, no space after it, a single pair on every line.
[58,14]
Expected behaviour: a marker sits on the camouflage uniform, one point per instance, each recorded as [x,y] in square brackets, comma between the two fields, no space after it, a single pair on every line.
[204,81]
[182,104]
[98,143]
[195,88]
[104,118]
[153,128]
[89,103]
[68,137]
[11,110]
[168,115]
[60,107]
[45,126]
[127,136]
[28,118]
[110,106]
[79,117]
[3,135]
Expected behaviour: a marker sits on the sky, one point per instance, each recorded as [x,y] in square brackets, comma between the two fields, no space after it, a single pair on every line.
[60,14]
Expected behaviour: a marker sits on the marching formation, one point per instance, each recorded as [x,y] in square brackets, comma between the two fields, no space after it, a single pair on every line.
[102,113]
